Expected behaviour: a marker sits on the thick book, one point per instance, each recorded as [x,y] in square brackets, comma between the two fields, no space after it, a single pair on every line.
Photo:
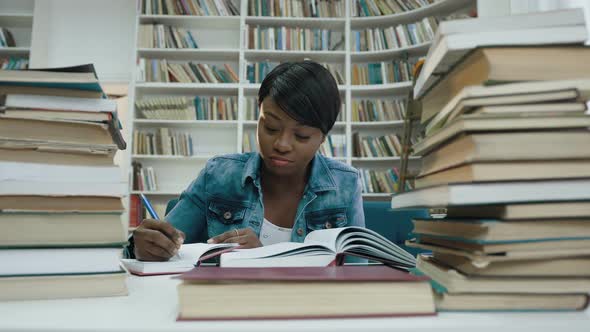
[493,65]
[62,188]
[455,38]
[302,292]
[494,193]
[57,156]
[61,229]
[549,145]
[525,211]
[500,107]
[38,203]
[18,171]
[505,171]
[509,302]
[499,231]
[486,253]
[456,282]
[52,261]
[66,286]
[533,93]
[55,131]
[557,267]
[321,248]
[81,77]
[506,128]
[189,256]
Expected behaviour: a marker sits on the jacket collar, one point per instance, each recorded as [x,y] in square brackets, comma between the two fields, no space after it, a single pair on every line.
[320,179]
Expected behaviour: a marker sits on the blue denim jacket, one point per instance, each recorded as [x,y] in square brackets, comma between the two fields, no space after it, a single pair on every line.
[227,195]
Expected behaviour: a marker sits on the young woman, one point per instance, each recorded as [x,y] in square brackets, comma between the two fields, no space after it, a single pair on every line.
[279,194]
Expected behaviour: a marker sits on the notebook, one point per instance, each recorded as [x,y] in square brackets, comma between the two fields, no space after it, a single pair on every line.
[188,256]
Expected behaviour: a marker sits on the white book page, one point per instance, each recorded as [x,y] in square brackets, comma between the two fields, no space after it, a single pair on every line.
[193,251]
[326,237]
[277,249]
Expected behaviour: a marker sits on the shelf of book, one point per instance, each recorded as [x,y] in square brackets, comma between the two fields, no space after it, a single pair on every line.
[304,22]
[381,90]
[225,39]
[253,123]
[215,22]
[377,124]
[437,8]
[413,50]
[190,53]
[280,55]
[184,88]
[252,88]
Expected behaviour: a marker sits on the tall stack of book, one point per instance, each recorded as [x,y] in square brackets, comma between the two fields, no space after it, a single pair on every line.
[60,193]
[509,164]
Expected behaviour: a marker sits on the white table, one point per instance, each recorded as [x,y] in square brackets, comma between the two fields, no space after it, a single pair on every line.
[152,306]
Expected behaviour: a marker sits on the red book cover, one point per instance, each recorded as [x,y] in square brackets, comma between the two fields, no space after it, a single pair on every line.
[329,274]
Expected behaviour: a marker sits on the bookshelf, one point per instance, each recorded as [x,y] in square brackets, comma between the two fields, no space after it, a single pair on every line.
[227,40]
[17,18]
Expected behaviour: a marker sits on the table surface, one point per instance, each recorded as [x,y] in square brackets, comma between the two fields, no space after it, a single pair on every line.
[152,306]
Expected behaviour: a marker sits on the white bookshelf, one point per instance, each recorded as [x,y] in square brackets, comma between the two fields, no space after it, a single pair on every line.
[17,17]
[224,40]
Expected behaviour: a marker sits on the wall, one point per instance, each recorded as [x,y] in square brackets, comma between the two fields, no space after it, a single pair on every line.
[68,32]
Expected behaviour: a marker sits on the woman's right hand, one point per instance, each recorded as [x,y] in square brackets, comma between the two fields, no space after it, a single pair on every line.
[156,240]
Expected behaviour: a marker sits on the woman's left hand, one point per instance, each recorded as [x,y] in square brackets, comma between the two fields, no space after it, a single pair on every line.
[245,237]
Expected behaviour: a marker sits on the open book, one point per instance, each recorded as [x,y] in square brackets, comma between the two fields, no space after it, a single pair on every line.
[188,256]
[322,248]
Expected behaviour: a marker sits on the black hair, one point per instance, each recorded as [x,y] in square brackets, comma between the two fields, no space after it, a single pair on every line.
[306,91]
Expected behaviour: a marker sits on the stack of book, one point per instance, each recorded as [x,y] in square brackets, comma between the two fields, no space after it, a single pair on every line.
[509,164]
[60,192]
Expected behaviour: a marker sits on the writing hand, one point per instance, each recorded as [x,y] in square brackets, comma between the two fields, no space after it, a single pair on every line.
[245,237]
[156,240]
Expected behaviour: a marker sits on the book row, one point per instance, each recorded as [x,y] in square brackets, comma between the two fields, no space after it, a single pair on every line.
[381,72]
[144,178]
[404,35]
[162,142]
[294,39]
[186,108]
[384,181]
[256,71]
[380,146]
[362,8]
[165,36]
[296,8]
[160,70]
[190,7]
[13,63]
[367,110]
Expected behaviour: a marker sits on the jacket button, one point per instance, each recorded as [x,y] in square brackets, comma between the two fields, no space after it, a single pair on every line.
[227,215]
[328,224]
[300,231]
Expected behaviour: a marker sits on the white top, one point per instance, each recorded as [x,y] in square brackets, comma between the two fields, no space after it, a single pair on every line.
[271,233]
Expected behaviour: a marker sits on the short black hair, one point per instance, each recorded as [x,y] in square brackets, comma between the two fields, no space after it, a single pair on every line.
[306,91]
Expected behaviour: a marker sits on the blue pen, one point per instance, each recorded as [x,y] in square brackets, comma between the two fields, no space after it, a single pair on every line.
[152,212]
[149,207]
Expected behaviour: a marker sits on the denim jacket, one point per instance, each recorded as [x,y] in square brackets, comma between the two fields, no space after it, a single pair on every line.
[227,195]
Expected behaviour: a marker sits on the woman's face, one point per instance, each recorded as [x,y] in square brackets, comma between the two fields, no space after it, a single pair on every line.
[286,146]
